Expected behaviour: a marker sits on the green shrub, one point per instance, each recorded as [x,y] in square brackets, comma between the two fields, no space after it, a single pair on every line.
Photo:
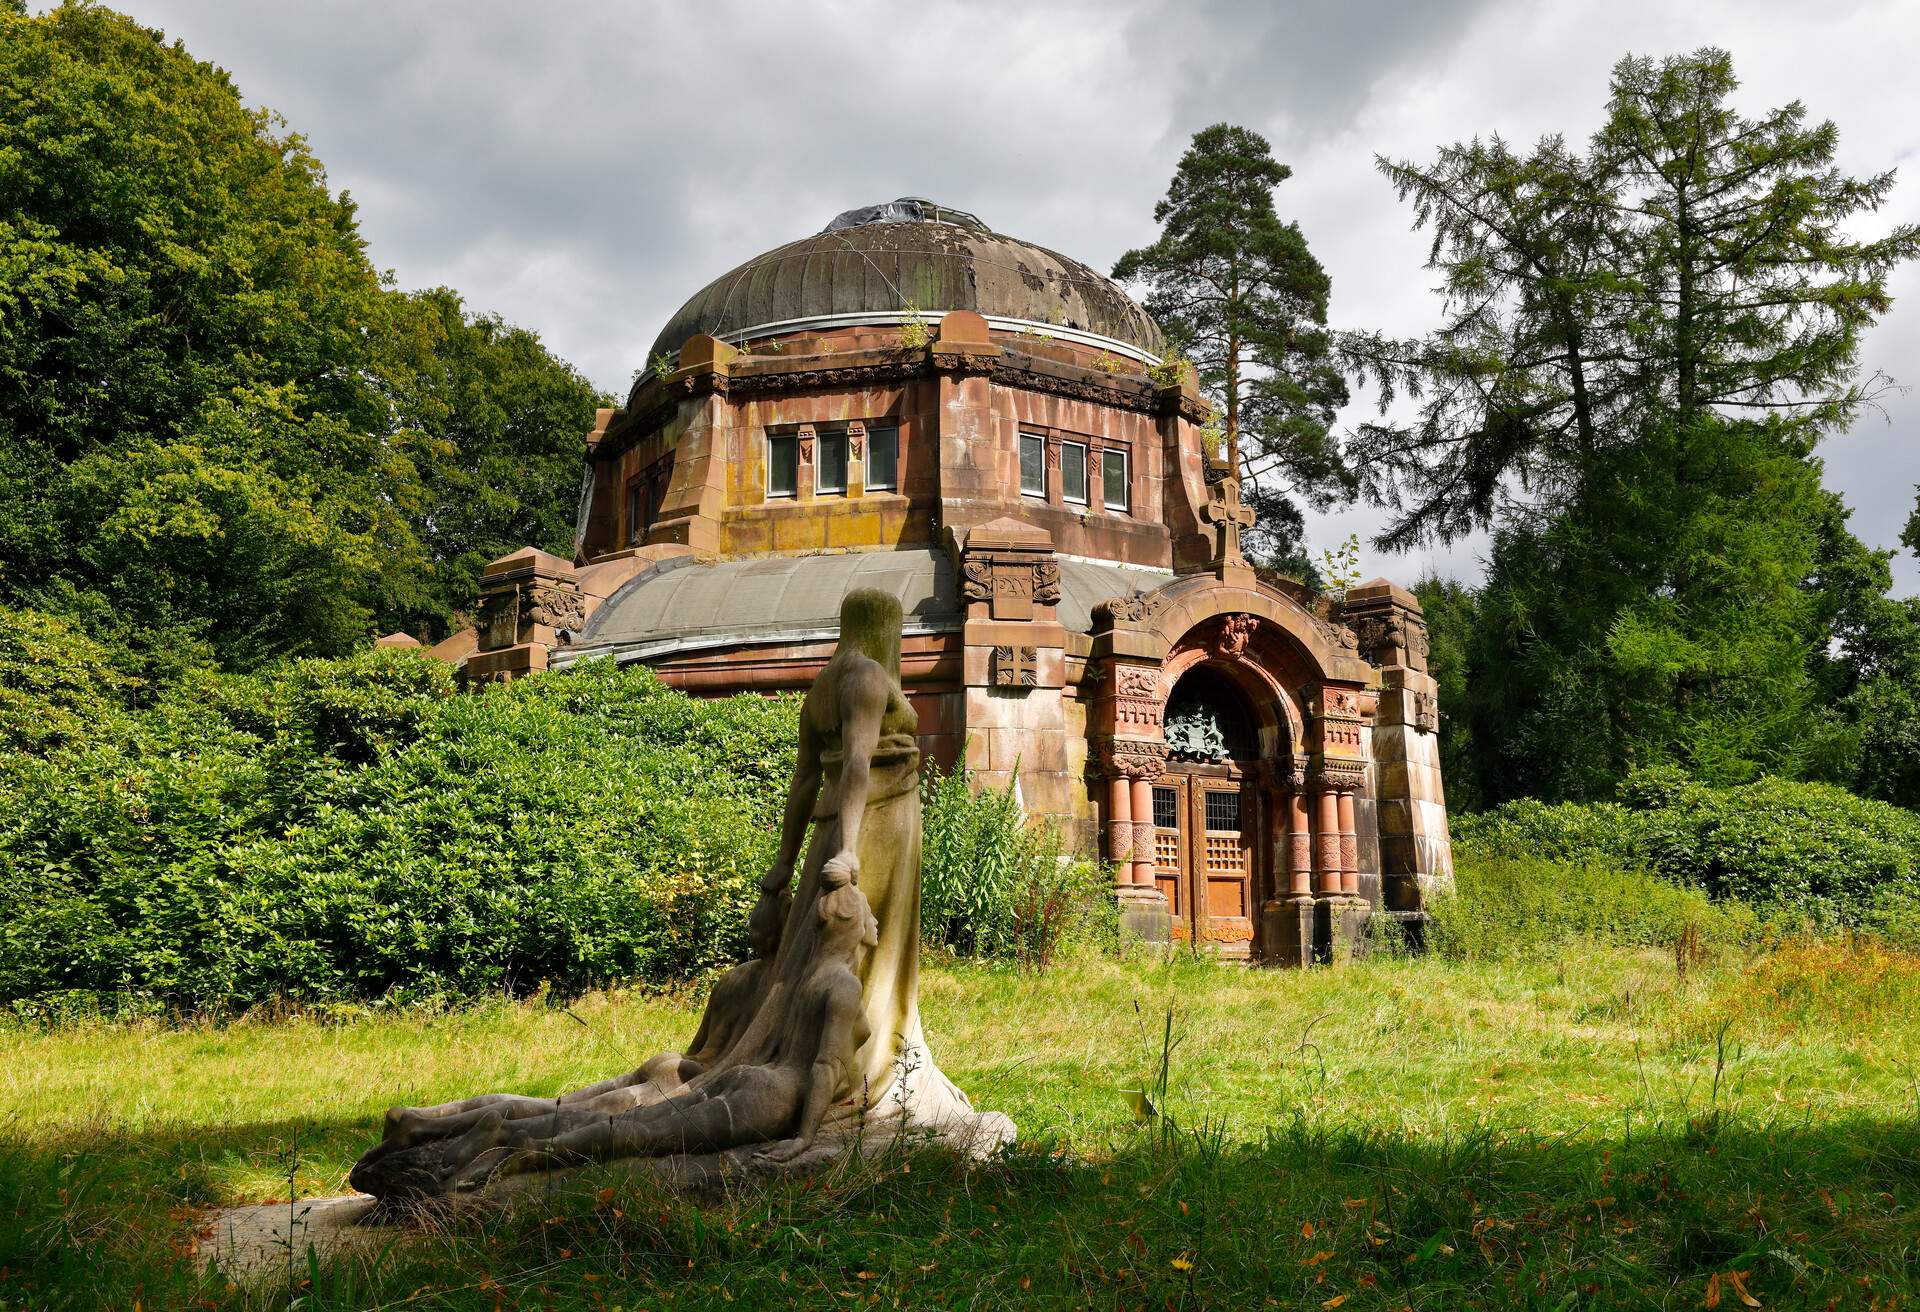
[348,830]
[1814,848]
[1517,905]
[998,884]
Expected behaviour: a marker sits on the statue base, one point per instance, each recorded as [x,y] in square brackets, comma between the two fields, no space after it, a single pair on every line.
[253,1242]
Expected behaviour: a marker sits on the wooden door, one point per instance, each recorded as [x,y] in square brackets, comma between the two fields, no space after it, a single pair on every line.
[1223,828]
[1205,829]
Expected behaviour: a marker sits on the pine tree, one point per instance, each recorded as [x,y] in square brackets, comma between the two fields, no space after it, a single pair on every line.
[1237,290]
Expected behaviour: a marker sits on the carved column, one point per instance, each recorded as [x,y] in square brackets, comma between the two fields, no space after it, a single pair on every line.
[1299,837]
[1143,827]
[1349,847]
[1120,827]
[1326,842]
[1286,921]
[1013,662]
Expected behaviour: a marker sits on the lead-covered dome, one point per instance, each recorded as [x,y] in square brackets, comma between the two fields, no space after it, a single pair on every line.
[871,264]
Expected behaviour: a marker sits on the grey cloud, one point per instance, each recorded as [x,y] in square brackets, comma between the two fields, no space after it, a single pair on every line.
[581,169]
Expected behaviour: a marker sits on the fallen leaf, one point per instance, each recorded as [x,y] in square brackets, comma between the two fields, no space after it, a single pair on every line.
[1740,1287]
[1306,1230]
[1182,1263]
[1317,1258]
[1712,1300]
[1335,1301]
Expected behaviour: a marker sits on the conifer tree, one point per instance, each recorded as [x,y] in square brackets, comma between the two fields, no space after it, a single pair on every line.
[1237,290]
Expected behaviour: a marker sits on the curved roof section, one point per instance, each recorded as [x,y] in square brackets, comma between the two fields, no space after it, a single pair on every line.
[680,605]
[880,259]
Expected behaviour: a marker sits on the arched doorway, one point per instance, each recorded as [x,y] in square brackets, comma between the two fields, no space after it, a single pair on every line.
[1209,813]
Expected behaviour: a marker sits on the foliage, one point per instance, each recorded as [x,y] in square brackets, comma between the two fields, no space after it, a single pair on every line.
[1642,347]
[1237,290]
[1809,848]
[337,830]
[996,883]
[221,433]
[1518,904]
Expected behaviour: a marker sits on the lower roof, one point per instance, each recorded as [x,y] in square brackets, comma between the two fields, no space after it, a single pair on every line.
[680,605]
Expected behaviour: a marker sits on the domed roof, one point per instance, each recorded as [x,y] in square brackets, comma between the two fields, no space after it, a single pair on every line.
[870,264]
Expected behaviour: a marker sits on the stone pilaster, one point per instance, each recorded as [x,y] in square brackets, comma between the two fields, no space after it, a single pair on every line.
[1416,852]
[1013,662]
[529,601]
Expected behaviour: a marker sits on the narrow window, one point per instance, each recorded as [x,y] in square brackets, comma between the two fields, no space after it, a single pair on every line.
[1033,465]
[1113,474]
[634,525]
[1073,472]
[783,465]
[658,496]
[832,475]
[883,459]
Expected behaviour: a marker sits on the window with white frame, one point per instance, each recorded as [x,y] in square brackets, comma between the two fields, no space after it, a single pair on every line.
[1033,465]
[1073,472]
[883,459]
[1114,478]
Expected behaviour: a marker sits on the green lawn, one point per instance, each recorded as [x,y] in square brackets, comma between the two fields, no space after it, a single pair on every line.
[1585,1129]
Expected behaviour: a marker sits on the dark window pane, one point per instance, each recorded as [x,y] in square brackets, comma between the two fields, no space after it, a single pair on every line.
[1223,812]
[633,514]
[783,465]
[1033,465]
[1166,808]
[833,463]
[1073,471]
[883,457]
[1113,473]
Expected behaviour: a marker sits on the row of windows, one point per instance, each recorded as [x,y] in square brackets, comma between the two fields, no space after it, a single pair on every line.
[1115,472]
[881,458]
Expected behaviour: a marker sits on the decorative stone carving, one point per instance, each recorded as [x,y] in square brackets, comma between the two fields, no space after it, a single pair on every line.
[1235,632]
[1229,516]
[806,446]
[500,618]
[1337,636]
[1136,697]
[1135,758]
[1046,582]
[1426,712]
[1130,609]
[1340,775]
[558,605]
[816,1041]
[856,439]
[1194,734]
[976,578]
[1016,667]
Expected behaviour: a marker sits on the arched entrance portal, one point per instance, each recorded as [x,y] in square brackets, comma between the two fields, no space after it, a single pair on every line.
[1210,813]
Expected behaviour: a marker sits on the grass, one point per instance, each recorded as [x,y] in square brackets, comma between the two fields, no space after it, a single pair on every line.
[1587,1127]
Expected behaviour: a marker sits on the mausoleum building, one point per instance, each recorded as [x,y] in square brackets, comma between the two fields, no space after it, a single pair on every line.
[995,433]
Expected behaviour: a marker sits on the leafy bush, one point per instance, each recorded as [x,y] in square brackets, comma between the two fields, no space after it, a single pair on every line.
[1811,847]
[349,830]
[997,884]
[1517,905]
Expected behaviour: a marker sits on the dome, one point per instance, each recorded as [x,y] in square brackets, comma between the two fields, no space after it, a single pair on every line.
[870,264]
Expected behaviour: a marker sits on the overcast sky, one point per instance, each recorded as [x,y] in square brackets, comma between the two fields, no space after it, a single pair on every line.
[582,168]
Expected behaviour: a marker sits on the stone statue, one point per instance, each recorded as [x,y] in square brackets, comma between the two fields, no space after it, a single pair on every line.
[820,1032]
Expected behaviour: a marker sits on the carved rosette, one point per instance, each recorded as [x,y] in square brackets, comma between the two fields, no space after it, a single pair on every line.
[1133,608]
[558,605]
[1235,632]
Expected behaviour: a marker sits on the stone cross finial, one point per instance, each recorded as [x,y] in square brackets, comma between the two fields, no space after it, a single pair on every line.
[1228,515]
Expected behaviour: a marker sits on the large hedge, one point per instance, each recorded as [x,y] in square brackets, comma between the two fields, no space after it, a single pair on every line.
[1813,848]
[351,830]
